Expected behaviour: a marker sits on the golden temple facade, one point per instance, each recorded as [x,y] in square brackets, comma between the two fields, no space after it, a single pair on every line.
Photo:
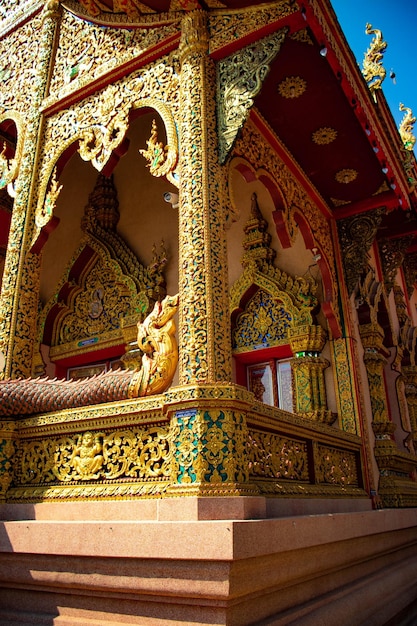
[207,316]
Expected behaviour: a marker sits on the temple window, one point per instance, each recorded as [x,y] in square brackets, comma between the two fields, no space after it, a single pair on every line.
[271,383]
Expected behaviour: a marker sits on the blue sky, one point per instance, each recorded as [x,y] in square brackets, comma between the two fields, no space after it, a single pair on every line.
[397,19]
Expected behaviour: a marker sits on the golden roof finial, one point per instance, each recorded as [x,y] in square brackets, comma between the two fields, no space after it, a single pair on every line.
[373,71]
[406,128]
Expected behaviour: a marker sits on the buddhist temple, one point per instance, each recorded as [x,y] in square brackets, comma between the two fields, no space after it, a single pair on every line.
[208,318]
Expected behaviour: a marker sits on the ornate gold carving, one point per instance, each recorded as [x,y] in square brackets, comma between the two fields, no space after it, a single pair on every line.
[45,216]
[372,337]
[345,387]
[227,26]
[406,128]
[86,52]
[107,291]
[7,454]
[19,298]
[264,323]
[337,202]
[373,71]
[100,122]
[204,328]
[138,454]
[209,451]
[346,176]
[41,219]
[292,87]
[239,80]
[410,389]
[356,236]
[156,339]
[8,168]
[410,271]
[335,467]
[302,36]
[310,389]
[307,339]
[257,240]
[20,50]
[323,136]
[258,152]
[194,35]
[272,456]
[161,160]
[14,12]
[392,253]
[295,295]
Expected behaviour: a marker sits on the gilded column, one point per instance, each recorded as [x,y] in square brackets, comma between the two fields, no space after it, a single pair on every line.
[308,367]
[204,329]
[20,288]
[209,434]
[7,451]
[372,340]
[410,376]
[344,368]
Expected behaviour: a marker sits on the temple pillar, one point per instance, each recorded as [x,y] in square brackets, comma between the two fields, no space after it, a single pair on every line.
[308,367]
[347,403]
[396,488]
[372,340]
[204,328]
[207,413]
[7,451]
[20,287]
[410,378]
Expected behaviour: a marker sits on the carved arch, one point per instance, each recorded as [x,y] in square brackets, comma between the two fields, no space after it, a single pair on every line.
[11,159]
[104,289]
[68,147]
[286,221]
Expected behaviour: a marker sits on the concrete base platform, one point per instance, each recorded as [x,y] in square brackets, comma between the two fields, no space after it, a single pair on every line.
[344,568]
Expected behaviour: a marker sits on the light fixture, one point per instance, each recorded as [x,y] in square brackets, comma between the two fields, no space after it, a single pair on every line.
[384,169]
[172,198]
[367,130]
[316,254]
[303,13]
[323,51]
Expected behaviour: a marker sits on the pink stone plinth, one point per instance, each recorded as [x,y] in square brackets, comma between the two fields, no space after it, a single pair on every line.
[346,568]
[182,509]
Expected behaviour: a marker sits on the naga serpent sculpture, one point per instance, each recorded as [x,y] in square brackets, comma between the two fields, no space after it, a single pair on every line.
[156,338]
[373,71]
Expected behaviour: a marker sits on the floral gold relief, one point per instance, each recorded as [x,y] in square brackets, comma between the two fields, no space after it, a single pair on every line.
[323,136]
[239,80]
[292,87]
[346,176]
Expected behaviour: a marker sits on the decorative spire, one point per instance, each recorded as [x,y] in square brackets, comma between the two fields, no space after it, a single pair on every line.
[257,241]
[373,71]
[406,128]
[103,205]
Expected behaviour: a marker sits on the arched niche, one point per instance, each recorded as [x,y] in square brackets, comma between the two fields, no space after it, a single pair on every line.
[11,144]
[145,220]
[298,251]
[272,317]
